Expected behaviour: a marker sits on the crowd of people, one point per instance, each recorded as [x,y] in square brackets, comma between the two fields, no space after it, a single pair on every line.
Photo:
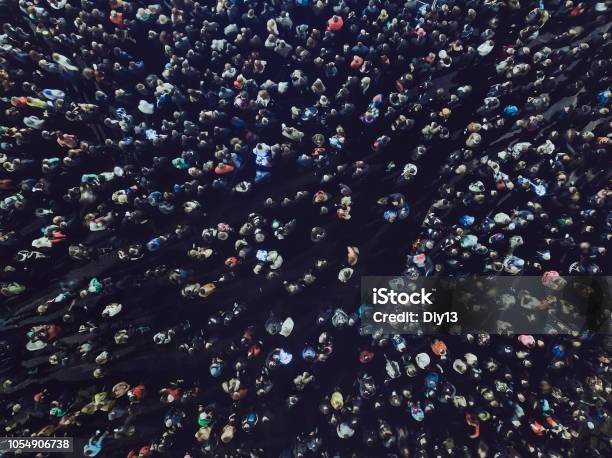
[190,192]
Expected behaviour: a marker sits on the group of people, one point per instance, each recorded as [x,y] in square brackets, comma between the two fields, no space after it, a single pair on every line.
[190,192]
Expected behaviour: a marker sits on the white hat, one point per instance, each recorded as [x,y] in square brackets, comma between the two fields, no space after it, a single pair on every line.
[287,327]
[502,218]
[112,309]
[102,358]
[471,358]
[276,260]
[42,242]
[459,366]
[33,122]
[57,4]
[422,360]
[146,107]
[35,345]
[345,274]
[344,430]
[284,357]
[392,368]
[485,48]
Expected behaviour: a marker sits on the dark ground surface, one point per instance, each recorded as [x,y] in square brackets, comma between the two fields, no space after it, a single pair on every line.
[383,250]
